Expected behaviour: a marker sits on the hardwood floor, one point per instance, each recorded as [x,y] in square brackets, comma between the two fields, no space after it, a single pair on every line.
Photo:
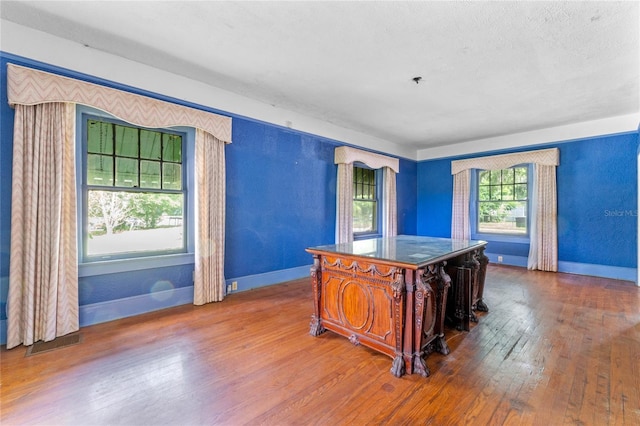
[553,349]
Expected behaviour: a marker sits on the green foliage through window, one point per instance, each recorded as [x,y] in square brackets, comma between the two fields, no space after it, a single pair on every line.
[503,200]
[134,191]
[365,202]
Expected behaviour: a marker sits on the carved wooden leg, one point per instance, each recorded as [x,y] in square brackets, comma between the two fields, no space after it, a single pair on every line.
[440,345]
[397,368]
[354,339]
[443,285]
[483,260]
[428,314]
[419,366]
[481,306]
[459,293]
[316,328]
[471,288]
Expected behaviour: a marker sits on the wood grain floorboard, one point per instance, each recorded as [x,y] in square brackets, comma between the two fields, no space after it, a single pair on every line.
[554,349]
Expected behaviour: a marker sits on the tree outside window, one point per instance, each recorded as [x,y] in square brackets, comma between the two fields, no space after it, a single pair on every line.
[134,191]
[365,201]
[503,201]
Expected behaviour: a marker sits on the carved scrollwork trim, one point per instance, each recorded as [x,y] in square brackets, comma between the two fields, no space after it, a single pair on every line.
[355,267]
[471,261]
[445,279]
[481,257]
[398,286]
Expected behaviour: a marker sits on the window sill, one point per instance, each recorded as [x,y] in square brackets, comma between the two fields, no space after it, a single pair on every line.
[134,264]
[365,236]
[502,238]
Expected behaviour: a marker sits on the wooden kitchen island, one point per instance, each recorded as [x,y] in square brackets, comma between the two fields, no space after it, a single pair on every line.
[390,294]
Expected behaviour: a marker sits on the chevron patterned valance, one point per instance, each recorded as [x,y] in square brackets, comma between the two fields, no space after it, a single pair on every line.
[347,155]
[544,157]
[27,86]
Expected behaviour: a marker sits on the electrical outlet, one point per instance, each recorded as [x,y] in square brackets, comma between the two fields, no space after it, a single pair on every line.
[499,259]
[228,288]
[234,285]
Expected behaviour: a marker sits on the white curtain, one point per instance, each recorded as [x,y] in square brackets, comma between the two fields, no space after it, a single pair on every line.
[460,227]
[209,282]
[390,205]
[344,204]
[28,86]
[344,158]
[543,250]
[43,277]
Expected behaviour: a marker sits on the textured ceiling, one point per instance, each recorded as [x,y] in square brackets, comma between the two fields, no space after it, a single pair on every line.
[487,68]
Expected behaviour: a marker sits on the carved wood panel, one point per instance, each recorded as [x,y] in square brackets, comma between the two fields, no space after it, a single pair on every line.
[359,300]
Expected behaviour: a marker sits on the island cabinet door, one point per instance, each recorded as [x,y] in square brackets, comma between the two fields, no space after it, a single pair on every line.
[364,302]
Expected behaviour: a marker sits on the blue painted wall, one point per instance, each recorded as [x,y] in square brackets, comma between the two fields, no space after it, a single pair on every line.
[6,154]
[280,200]
[597,201]
[435,198]
[407,194]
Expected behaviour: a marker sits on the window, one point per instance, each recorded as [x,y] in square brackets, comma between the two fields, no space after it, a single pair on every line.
[133,190]
[365,201]
[502,201]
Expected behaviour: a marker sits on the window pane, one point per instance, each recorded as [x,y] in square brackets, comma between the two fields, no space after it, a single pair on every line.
[172,150]
[521,174]
[364,184]
[521,191]
[126,172]
[507,192]
[495,177]
[364,216]
[502,217]
[502,206]
[150,144]
[149,174]
[507,176]
[484,193]
[99,170]
[133,160]
[125,222]
[126,141]
[171,176]
[485,177]
[495,192]
[99,137]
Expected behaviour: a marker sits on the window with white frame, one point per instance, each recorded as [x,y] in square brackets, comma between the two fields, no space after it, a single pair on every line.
[365,201]
[502,201]
[134,192]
